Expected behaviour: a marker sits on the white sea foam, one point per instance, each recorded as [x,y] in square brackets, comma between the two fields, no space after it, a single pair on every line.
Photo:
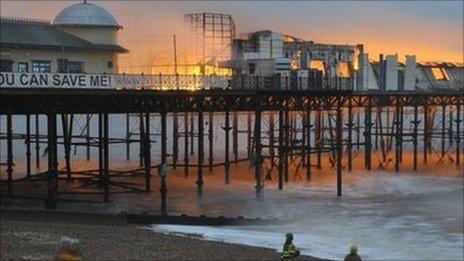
[388,217]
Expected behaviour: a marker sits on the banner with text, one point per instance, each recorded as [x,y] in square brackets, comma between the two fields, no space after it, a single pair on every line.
[113,81]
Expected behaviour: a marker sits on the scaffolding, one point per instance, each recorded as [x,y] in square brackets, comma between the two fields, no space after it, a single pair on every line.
[209,42]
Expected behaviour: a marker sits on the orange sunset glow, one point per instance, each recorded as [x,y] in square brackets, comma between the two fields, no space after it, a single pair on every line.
[383,27]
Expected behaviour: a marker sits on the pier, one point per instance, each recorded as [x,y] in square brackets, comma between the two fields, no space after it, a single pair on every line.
[283,128]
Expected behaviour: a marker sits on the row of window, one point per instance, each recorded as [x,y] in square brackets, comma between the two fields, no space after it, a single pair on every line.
[44,66]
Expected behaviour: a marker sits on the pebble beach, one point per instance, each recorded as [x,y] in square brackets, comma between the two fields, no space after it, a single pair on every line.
[32,235]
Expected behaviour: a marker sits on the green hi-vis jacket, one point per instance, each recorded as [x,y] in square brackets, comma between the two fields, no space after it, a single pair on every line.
[290,252]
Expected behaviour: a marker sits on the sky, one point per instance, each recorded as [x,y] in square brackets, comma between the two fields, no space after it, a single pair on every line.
[433,30]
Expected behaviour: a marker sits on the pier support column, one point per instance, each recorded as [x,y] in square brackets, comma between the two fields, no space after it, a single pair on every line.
[186,144]
[415,123]
[426,134]
[235,136]
[175,140]
[28,146]
[37,142]
[87,136]
[308,145]
[271,138]
[258,157]
[192,133]
[147,152]
[281,149]
[52,174]
[458,134]
[443,133]
[210,141]
[249,145]
[128,136]
[163,167]
[9,151]
[350,136]
[199,181]
[450,126]
[397,137]
[141,134]
[358,129]
[67,133]
[106,157]
[318,137]
[367,136]
[339,144]
[100,151]
[226,152]
[303,150]
[286,143]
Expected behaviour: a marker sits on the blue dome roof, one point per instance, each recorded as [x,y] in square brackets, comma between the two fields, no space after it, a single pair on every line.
[85,14]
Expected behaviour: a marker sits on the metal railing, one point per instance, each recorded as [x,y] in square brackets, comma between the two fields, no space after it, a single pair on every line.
[169,82]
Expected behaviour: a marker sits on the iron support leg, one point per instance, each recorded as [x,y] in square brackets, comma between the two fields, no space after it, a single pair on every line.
[200,154]
[339,140]
[52,174]
[163,189]
[258,157]
[147,152]
[226,156]
[9,152]
[28,145]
